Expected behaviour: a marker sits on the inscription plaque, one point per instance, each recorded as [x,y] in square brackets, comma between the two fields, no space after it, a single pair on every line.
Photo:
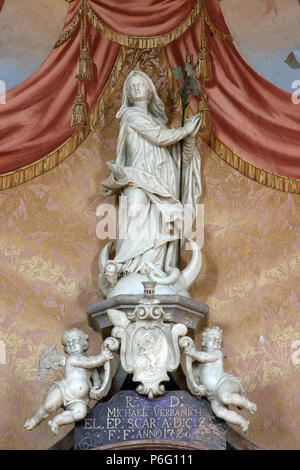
[175,418]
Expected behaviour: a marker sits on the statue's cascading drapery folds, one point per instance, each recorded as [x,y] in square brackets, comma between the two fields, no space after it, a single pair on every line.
[246,112]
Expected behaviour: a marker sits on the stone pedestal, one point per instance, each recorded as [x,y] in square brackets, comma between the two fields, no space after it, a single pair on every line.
[176,420]
[181,309]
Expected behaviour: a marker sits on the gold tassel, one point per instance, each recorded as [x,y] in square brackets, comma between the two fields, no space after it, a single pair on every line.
[85,65]
[205,115]
[204,71]
[205,74]
[79,114]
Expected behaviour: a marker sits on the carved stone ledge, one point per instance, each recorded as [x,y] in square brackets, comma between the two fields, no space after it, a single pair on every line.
[179,309]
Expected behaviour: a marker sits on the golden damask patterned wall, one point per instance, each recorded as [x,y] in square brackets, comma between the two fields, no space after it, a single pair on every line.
[250,280]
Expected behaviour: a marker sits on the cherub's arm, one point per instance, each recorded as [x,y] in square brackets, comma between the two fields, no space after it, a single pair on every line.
[96,378]
[91,362]
[202,356]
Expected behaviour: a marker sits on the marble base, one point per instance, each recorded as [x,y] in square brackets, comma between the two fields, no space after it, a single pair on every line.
[176,420]
[181,309]
[132,285]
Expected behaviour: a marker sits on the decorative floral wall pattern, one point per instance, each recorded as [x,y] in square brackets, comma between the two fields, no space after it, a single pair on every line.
[250,279]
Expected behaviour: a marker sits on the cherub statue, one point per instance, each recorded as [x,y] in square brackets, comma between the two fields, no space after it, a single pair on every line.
[72,393]
[219,387]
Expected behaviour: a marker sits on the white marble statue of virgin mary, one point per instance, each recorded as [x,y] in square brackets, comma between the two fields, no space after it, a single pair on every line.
[145,174]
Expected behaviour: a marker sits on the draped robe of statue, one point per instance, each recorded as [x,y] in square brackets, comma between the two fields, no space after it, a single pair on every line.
[146,170]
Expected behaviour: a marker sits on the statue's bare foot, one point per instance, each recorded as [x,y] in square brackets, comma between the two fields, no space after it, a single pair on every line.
[245,425]
[53,426]
[31,423]
[252,408]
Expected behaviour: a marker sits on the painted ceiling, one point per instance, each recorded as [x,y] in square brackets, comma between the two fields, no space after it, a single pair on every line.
[264,33]
[28,31]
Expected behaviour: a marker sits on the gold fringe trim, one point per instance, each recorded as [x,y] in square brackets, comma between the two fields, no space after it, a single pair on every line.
[145,42]
[51,160]
[64,36]
[265,177]
[213,28]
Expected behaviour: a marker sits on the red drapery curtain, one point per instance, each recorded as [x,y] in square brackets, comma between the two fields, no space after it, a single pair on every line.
[254,118]
[142,18]
[36,117]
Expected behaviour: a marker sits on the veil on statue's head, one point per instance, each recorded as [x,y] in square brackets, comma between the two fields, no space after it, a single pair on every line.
[155,105]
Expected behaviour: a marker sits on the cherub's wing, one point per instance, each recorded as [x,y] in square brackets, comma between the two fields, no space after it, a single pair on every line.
[118,318]
[49,359]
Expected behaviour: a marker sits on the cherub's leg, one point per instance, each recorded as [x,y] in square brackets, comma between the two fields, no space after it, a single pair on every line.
[229,416]
[53,401]
[228,394]
[240,401]
[75,412]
